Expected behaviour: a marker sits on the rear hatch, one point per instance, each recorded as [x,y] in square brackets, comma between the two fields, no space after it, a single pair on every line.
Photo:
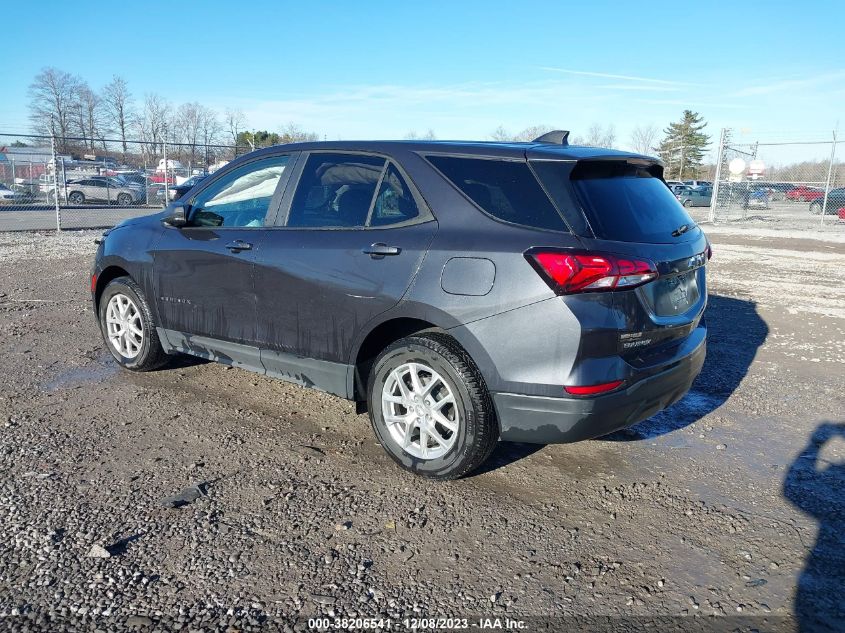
[630,212]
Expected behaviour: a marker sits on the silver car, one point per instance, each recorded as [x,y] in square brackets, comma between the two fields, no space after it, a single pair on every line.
[100,189]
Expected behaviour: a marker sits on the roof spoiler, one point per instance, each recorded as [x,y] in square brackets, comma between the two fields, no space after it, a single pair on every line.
[555,137]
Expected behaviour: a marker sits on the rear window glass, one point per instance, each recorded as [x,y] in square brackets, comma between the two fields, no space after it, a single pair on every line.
[507,190]
[626,202]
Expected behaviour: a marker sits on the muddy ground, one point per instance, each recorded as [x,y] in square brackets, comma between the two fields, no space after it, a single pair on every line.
[731,503]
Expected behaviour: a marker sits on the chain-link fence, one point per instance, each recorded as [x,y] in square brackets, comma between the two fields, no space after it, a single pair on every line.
[792,185]
[72,183]
[67,183]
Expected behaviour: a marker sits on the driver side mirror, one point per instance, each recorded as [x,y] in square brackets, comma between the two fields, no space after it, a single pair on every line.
[178,217]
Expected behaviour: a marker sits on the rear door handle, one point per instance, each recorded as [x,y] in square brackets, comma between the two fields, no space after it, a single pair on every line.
[239,245]
[379,250]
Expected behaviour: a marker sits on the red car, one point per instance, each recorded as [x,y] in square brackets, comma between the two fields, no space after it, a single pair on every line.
[804,194]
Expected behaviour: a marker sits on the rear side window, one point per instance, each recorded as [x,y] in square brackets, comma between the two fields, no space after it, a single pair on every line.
[507,190]
[626,202]
[394,203]
[335,191]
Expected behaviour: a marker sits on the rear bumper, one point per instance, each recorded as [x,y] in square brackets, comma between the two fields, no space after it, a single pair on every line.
[544,420]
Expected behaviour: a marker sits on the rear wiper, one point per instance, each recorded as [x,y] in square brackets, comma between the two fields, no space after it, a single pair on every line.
[680,230]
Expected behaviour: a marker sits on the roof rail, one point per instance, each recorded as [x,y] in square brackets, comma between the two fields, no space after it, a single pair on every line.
[555,137]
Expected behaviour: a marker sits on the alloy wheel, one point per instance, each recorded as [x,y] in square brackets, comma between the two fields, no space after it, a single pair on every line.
[420,411]
[124,327]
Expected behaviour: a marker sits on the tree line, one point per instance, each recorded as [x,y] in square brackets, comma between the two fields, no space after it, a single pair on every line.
[67,107]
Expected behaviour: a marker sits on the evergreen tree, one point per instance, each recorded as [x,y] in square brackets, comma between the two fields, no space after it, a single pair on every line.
[683,146]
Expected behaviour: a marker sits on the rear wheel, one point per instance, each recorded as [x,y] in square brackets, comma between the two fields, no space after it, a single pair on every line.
[429,407]
[124,199]
[687,203]
[127,325]
[76,197]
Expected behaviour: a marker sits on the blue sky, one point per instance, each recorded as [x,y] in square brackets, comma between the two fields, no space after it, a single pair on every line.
[381,69]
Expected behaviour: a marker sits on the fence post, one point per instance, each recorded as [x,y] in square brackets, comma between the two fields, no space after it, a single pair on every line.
[829,175]
[714,197]
[56,182]
[166,189]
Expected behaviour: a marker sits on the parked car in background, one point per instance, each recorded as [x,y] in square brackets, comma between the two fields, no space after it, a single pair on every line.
[7,195]
[756,198]
[696,197]
[804,194]
[679,190]
[674,183]
[698,183]
[177,191]
[459,292]
[835,200]
[103,189]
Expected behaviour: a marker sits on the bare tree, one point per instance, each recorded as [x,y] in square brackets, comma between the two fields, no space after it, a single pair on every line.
[152,124]
[209,131]
[51,98]
[501,134]
[87,114]
[293,133]
[185,128]
[235,123]
[117,108]
[598,136]
[427,136]
[644,139]
[528,134]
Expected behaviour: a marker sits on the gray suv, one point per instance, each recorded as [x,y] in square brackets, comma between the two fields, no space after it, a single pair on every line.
[104,189]
[460,292]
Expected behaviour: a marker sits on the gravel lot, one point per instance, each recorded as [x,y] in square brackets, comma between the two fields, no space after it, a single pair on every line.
[288,509]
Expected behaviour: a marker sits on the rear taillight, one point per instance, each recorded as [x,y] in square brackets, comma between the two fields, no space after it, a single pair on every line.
[593,390]
[568,272]
[93,282]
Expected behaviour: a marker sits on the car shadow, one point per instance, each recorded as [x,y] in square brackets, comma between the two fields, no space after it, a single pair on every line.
[734,333]
[506,453]
[816,486]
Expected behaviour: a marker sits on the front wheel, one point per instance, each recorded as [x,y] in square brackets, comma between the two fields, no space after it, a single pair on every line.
[127,325]
[687,203]
[124,200]
[815,208]
[430,408]
[76,197]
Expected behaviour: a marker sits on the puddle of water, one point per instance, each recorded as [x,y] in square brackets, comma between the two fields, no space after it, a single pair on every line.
[95,372]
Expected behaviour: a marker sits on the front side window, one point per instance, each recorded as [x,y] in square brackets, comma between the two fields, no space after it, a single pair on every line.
[241,197]
[335,191]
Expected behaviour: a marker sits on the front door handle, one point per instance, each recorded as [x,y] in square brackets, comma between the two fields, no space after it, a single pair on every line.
[379,250]
[239,245]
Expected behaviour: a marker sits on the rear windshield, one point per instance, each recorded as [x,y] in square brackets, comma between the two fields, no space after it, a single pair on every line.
[626,202]
[505,189]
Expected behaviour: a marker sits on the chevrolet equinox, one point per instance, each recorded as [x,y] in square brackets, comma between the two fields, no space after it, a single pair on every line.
[460,292]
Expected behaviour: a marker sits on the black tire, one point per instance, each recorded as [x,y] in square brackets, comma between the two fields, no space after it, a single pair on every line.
[76,197]
[151,355]
[124,199]
[478,430]
[815,208]
[687,203]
